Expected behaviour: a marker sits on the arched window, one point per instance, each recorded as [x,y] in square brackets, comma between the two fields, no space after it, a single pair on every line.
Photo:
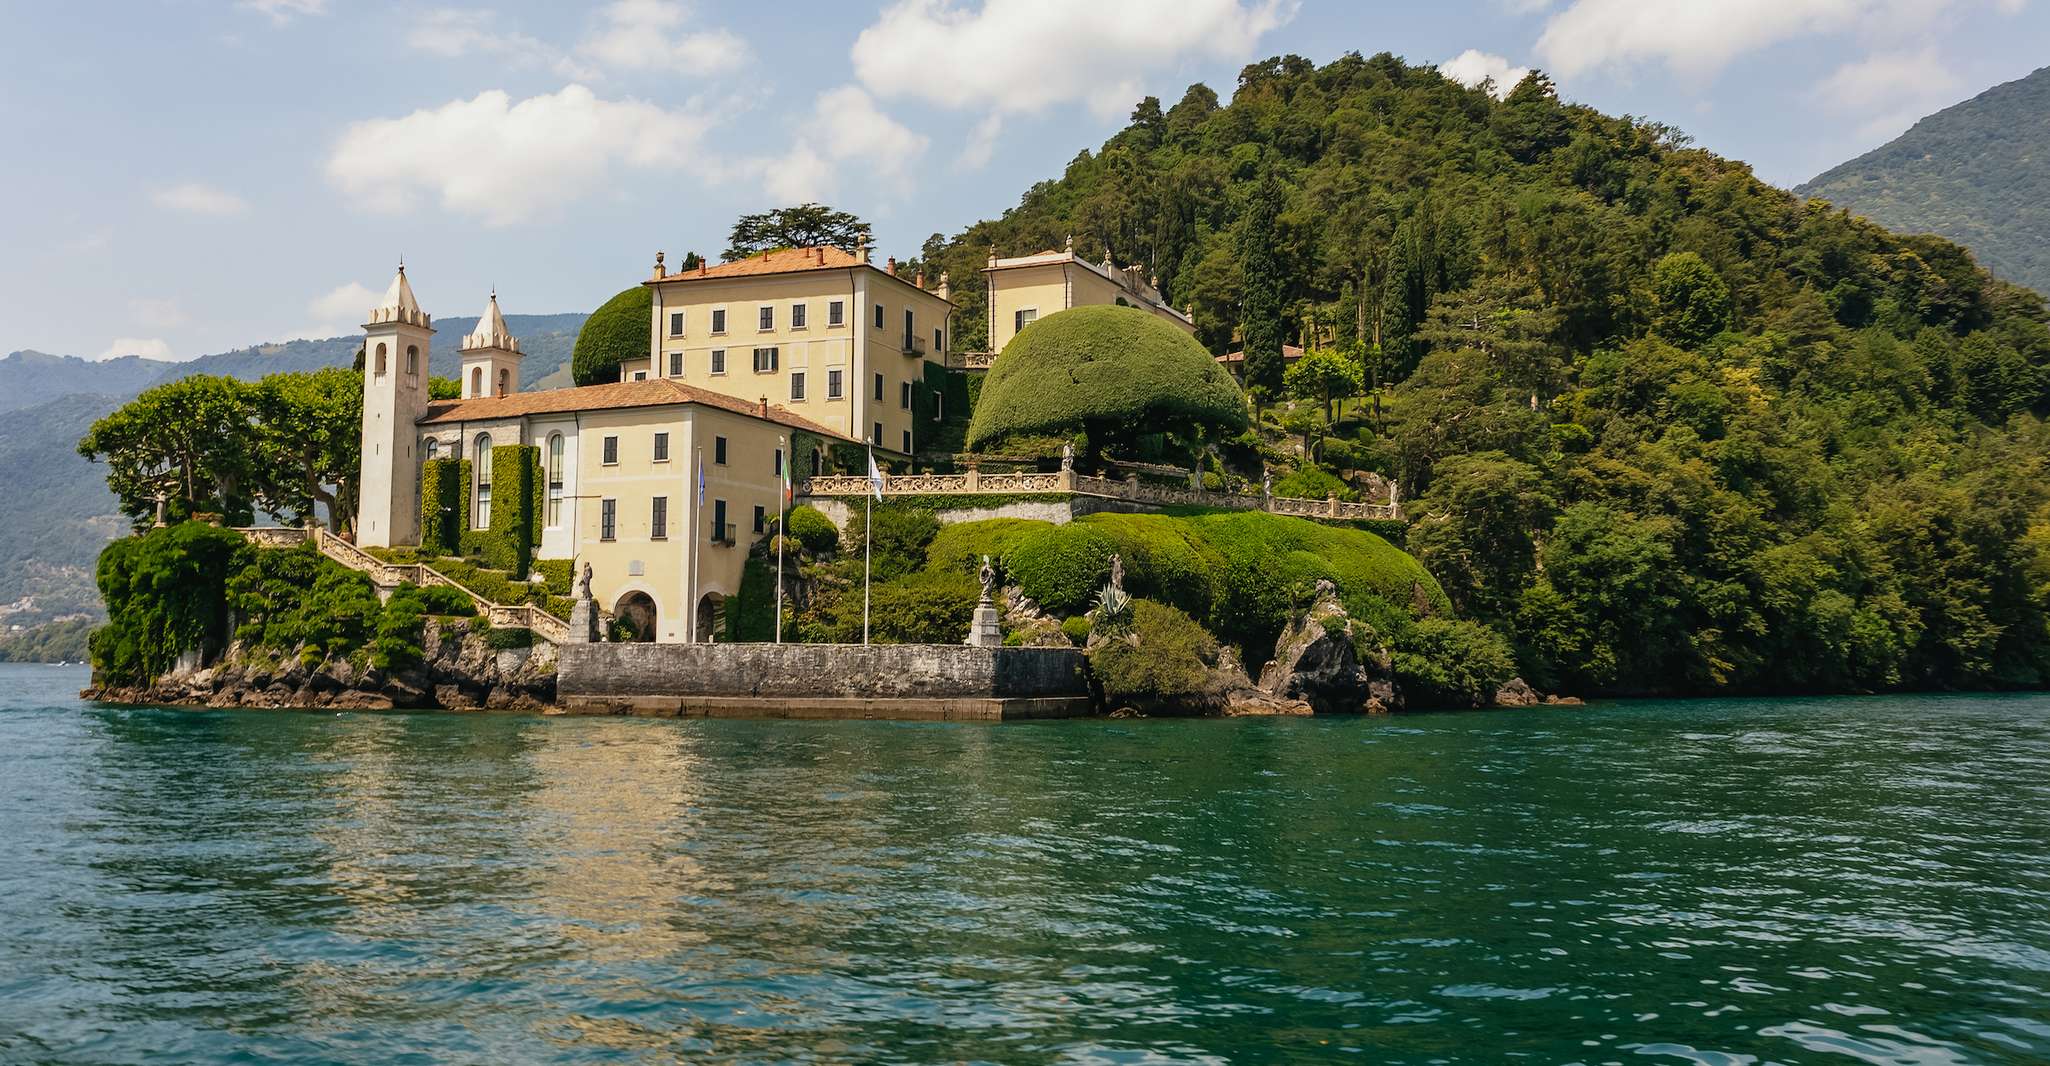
[476,382]
[433,448]
[504,381]
[480,516]
[412,359]
[555,480]
[380,359]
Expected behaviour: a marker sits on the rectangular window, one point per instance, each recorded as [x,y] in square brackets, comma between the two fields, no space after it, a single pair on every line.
[718,360]
[719,531]
[640,375]
[834,388]
[910,328]
[766,360]
[612,451]
[718,320]
[658,519]
[719,450]
[761,519]
[877,436]
[676,323]
[939,339]
[661,447]
[880,386]
[779,463]
[797,385]
[675,364]
[608,516]
[907,442]
[879,316]
[797,316]
[836,312]
[1023,318]
[904,396]
[768,318]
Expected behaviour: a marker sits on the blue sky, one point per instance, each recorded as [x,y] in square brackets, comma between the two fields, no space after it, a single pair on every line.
[187,176]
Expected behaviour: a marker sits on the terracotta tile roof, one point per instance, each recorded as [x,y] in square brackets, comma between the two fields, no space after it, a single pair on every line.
[785,261]
[1289,353]
[655,392]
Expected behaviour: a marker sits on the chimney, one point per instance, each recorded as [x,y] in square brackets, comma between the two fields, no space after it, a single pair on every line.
[765,407]
[890,266]
[919,279]
[861,249]
[820,252]
[945,288]
[701,266]
[660,270]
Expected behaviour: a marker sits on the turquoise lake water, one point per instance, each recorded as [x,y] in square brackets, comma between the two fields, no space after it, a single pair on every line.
[1854,880]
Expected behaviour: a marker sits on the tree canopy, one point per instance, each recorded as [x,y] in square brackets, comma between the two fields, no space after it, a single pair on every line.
[805,226]
[1111,372]
[619,329]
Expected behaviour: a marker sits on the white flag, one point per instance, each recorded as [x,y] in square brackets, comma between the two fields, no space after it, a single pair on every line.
[875,475]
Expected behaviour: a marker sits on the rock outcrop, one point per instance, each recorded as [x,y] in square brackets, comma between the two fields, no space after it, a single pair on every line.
[458,670]
[1318,661]
[1516,693]
[1029,626]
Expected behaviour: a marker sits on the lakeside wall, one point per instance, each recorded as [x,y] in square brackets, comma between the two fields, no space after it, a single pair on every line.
[909,681]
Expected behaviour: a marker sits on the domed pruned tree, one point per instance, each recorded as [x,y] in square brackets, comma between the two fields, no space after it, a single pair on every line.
[1113,372]
[619,329]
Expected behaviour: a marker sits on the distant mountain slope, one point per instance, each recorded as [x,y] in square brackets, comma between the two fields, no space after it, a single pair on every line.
[65,515]
[28,378]
[62,513]
[1977,173]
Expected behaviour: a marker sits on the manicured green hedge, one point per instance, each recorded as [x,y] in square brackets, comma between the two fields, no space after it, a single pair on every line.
[814,530]
[1062,567]
[962,545]
[1108,370]
[898,546]
[617,330]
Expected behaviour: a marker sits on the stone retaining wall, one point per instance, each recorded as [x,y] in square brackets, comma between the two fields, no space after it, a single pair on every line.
[934,681]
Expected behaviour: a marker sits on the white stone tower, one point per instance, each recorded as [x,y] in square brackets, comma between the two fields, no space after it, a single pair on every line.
[396,343]
[491,356]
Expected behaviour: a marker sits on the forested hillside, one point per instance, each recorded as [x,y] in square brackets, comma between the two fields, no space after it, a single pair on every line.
[1977,173]
[1665,426]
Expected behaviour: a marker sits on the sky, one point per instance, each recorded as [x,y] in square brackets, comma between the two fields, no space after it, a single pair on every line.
[190,176]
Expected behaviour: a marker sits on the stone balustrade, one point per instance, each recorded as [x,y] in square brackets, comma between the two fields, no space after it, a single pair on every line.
[974,483]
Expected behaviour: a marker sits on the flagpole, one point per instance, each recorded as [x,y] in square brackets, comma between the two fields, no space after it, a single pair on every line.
[868,536]
[782,520]
[697,548]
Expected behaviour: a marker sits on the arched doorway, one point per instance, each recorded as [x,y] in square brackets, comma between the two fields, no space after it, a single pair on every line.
[711,618]
[635,615]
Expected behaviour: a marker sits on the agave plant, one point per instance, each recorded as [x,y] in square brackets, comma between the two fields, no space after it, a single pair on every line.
[1112,611]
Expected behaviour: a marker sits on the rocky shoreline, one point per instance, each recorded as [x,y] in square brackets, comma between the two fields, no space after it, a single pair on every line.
[458,671]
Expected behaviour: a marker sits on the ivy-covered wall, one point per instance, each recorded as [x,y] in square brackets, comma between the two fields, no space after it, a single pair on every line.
[444,505]
[508,544]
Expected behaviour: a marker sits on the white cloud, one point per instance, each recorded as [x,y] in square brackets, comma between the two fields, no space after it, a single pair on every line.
[1022,56]
[1698,38]
[626,37]
[1473,66]
[982,143]
[350,302]
[157,314]
[507,161]
[845,127]
[147,347]
[283,11]
[199,199]
[1889,90]
[651,35]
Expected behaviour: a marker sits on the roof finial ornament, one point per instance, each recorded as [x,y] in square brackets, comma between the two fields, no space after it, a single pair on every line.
[1069,245]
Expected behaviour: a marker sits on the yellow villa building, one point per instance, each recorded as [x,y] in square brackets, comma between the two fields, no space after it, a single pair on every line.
[1024,289]
[662,480]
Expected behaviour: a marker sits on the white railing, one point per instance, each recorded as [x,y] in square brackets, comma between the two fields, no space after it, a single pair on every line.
[974,483]
[391,575]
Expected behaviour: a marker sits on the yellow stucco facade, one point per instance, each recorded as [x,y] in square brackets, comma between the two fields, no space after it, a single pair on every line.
[1024,289]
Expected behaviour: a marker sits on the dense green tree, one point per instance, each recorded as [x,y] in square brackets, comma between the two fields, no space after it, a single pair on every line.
[1690,303]
[621,328]
[1263,286]
[188,442]
[807,225]
[309,443]
[1323,375]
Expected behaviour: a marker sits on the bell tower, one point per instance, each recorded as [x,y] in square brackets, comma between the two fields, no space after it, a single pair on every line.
[491,356]
[396,343]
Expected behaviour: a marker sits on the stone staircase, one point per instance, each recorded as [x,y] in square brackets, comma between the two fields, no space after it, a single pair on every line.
[387,576]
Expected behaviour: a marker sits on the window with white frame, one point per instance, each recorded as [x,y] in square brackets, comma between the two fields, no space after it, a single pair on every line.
[610,454]
[718,360]
[836,312]
[718,320]
[1023,317]
[608,519]
[797,316]
[661,447]
[836,386]
[768,317]
[676,323]
[480,515]
[675,364]
[555,452]
[765,360]
[797,385]
[904,396]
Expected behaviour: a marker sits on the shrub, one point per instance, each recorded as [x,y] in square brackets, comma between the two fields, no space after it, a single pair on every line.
[1062,566]
[397,643]
[933,607]
[558,575]
[165,592]
[814,530]
[442,483]
[962,545]
[296,599]
[898,546]
[442,600]
[1106,370]
[1077,628]
[508,638]
[618,329]
[1444,662]
[1166,658]
[1313,483]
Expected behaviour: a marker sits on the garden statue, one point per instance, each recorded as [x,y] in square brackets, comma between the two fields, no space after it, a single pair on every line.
[1067,456]
[988,574]
[985,630]
[1117,572]
[584,586]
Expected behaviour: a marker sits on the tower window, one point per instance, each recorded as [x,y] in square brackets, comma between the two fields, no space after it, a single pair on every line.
[504,381]
[380,359]
[476,381]
[412,359]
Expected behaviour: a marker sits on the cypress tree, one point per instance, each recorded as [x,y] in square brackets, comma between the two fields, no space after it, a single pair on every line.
[1262,309]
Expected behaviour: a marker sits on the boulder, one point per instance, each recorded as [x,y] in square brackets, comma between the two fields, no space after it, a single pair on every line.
[1317,661]
[1516,693]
